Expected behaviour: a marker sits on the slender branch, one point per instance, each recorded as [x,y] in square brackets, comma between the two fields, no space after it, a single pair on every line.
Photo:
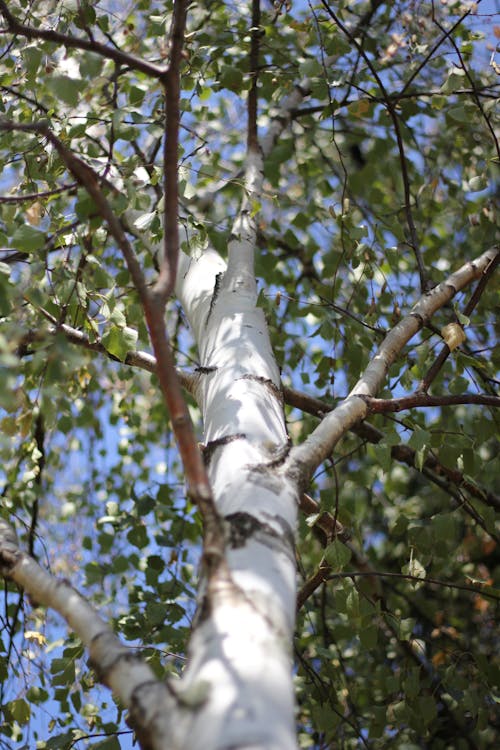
[168,268]
[197,480]
[434,581]
[141,360]
[110,658]
[36,196]
[424,284]
[434,470]
[436,366]
[321,574]
[461,502]
[433,49]
[324,573]
[123,58]
[304,458]
[255,32]
[402,453]
[384,405]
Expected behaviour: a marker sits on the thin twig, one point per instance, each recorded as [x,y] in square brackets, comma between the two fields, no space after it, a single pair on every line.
[384,405]
[391,109]
[433,49]
[474,93]
[441,358]
[65,40]
[255,32]
[26,197]
[154,308]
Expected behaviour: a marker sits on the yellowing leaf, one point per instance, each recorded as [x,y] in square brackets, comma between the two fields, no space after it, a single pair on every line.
[34,635]
[34,213]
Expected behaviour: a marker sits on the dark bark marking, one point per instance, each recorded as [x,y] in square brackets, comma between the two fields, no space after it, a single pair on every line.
[205,370]
[243,526]
[268,383]
[209,449]
[215,294]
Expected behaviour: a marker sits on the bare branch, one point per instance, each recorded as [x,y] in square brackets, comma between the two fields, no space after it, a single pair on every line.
[252,135]
[489,594]
[36,196]
[391,109]
[402,453]
[436,366]
[197,480]
[168,268]
[384,405]
[141,360]
[305,458]
[434,48]
[111,53]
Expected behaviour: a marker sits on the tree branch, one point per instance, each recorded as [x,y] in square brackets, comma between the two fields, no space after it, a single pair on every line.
[430,581]
[402,453]
[168,268]
[384,405]
[36,196]
[122,58]
[255,32]
[240,272]
[127,676]
[197,480]
[305,458]
[141,360]
[391,109]
[436,366]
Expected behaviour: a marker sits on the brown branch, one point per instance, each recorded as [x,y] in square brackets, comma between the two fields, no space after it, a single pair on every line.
[255,32]
[154,308]
[434,470]
[49,35]
[391,109]
[168,267]
[436,366]
[329,528]
[433,49]
[474,94]
[401,453]
[141,360]
[434,581]
[323,573]
[384,405]
[36,196]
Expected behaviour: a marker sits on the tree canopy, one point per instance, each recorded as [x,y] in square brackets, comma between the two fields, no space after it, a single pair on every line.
[127,134]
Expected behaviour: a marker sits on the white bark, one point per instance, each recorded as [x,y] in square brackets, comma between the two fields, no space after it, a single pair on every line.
[305,458]
[131,680]
[240,649]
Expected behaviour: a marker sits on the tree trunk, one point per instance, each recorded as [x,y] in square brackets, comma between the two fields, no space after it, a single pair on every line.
[240,662]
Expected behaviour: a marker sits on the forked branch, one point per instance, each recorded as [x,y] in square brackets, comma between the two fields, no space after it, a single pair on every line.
[305,458]
[129,677]
[90,45]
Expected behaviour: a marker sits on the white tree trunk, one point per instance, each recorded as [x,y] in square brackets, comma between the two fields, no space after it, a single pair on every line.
[240,662]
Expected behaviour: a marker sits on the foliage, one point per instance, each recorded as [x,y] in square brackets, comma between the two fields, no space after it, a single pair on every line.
[381,185]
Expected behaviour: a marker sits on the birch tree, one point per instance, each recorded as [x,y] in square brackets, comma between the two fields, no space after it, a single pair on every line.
[237,240]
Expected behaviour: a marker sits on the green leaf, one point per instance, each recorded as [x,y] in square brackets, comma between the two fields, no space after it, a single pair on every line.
[65,88]
[231,78]
[119,341]
[28,239]
[337,555]
[138,536]
[20,711]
